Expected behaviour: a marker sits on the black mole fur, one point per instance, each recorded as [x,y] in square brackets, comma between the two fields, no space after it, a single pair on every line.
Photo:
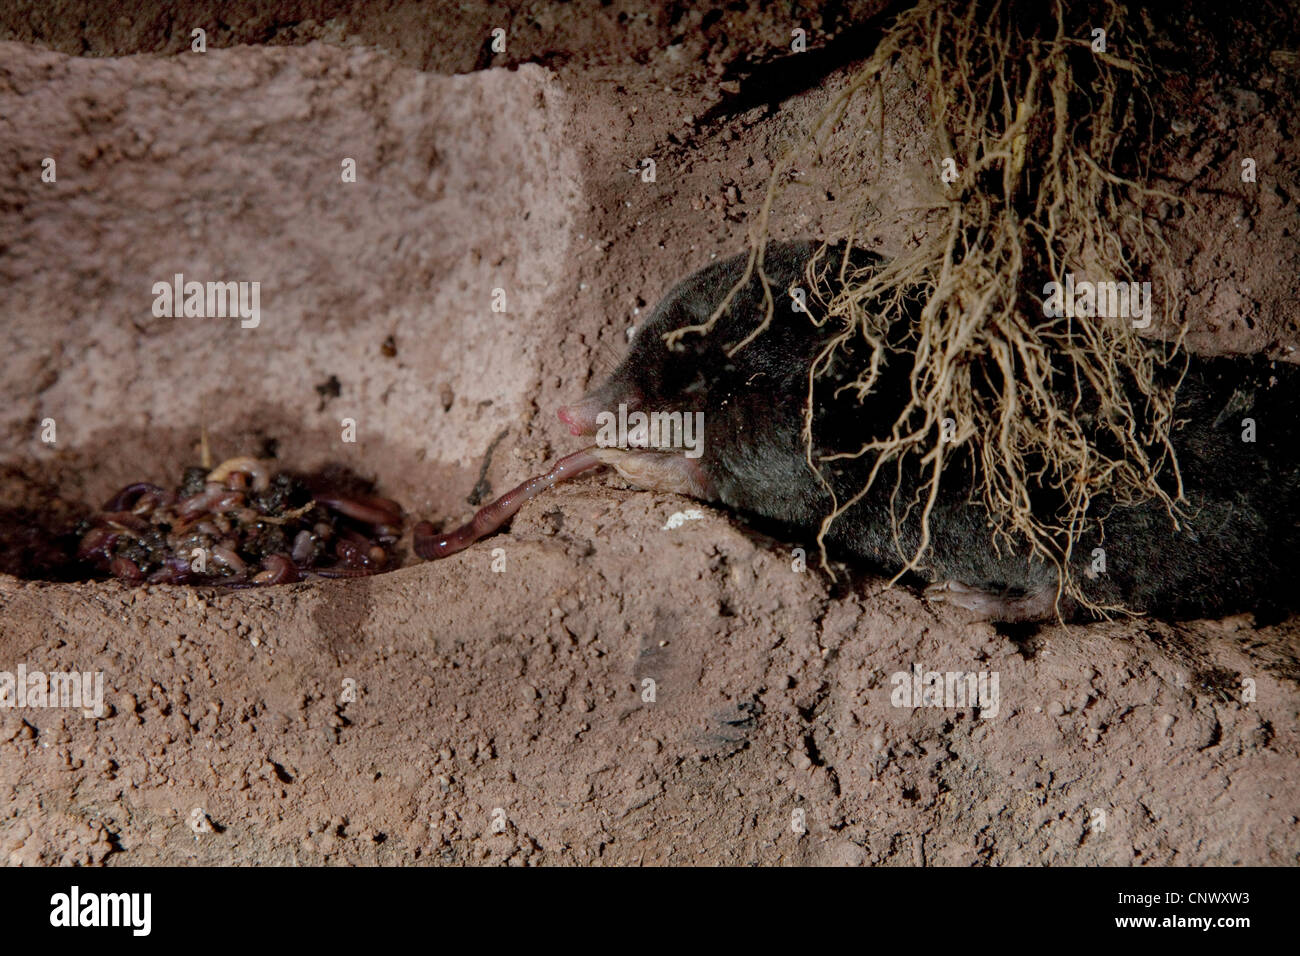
[1236,548]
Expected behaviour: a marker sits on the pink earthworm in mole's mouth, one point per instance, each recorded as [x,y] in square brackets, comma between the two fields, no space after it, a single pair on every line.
[431,545]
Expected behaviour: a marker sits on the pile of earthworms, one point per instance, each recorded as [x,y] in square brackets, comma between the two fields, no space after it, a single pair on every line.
[240,525]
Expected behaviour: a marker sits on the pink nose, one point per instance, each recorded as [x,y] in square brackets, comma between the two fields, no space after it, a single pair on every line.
[581,415]
[569,418]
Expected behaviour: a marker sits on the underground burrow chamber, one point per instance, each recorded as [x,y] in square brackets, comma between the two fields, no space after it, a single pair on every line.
[401,232]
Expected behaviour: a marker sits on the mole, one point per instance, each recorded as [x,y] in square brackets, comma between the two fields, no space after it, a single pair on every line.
[1235,546]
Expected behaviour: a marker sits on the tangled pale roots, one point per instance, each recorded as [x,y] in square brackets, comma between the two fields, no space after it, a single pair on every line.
[1050,138]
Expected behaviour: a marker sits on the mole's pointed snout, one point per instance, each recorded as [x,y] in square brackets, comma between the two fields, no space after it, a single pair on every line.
[581,416]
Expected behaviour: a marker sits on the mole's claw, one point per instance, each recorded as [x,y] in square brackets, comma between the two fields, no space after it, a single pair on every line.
[658,471]
[990,606]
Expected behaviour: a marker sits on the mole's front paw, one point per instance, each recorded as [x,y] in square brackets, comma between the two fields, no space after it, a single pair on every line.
[992,606]
[657,471]
[983,604]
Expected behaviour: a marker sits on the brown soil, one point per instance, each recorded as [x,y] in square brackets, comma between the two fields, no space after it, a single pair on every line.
[517,695]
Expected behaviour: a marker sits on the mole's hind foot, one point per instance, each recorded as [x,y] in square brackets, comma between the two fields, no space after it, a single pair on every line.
[993,606]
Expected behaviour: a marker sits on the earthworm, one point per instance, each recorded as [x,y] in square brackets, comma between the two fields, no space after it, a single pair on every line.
[243,515]
[279,570]
[357,551]
[431,545]
[349,554]
[339,572]
[229,558]
[175,570]
[126,569]
[367,508]
[202,501]
[124,521]
[97,542]
[256,470]
[134,494]
[229,502]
